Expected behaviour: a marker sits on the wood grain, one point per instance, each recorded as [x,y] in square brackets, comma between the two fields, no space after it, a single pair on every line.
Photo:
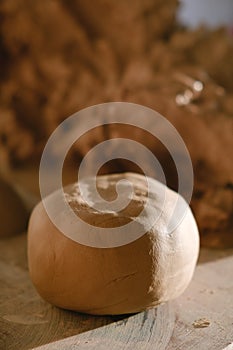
[28,322]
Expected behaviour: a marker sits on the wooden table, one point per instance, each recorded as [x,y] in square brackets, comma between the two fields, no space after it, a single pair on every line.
[28,322]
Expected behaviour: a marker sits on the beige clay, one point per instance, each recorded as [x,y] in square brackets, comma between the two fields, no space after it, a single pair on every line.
[142,274]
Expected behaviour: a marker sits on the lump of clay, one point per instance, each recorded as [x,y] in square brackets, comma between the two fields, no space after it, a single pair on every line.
[13,214]
[129,278]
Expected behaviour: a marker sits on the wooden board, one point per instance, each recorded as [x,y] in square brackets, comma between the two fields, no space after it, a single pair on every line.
[27,322]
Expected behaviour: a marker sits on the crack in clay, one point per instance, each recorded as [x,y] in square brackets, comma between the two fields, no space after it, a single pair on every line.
[118,279]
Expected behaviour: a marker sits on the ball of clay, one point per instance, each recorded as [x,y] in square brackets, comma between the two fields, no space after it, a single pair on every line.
[14,216]
[130,278]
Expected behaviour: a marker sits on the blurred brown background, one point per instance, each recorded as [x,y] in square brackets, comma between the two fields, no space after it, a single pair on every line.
[57,57]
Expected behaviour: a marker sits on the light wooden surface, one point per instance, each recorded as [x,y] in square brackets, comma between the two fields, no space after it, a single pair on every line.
[27,322]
